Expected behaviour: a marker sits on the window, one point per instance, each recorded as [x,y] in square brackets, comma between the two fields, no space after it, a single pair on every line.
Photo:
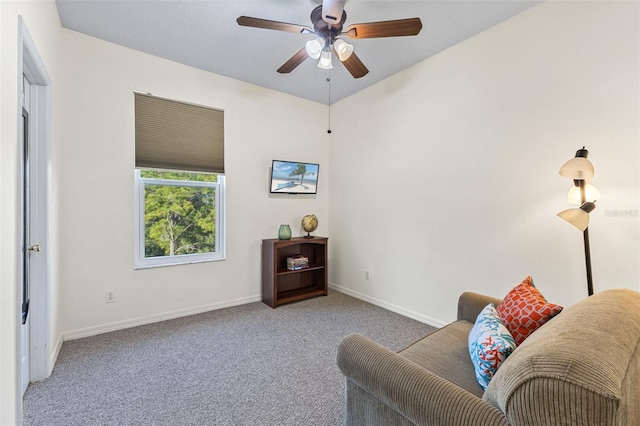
[179,180]
[179,217]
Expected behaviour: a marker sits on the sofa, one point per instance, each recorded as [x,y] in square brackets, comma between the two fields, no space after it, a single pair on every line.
[580,368]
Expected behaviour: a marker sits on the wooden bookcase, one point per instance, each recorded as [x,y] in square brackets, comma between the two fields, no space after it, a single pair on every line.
[279,284]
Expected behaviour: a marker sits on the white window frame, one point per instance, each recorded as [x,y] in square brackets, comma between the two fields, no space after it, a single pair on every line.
[150,262]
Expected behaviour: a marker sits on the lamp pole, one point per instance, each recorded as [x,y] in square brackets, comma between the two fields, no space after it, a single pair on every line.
[581,170]
[585,234]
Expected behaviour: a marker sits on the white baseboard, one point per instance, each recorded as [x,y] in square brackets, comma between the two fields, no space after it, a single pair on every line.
[149,319]
[134,322]
[389,306]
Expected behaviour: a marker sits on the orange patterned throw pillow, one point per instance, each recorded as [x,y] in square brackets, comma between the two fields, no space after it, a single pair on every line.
[524,309]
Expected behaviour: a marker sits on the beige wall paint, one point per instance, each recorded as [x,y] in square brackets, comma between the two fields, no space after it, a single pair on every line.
[41,19]
[92,191]
[96,167]
[452,165]
[443,178]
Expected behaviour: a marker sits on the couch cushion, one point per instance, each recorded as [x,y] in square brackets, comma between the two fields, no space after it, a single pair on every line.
[445,352]
[490,343]
[524,309]
[574,369]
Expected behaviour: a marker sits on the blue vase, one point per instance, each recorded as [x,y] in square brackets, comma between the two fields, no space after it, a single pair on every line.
[284,233]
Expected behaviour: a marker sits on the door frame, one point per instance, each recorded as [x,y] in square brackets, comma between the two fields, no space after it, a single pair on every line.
[31,65]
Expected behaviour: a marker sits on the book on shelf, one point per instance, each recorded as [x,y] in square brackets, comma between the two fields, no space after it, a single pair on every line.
[296,262]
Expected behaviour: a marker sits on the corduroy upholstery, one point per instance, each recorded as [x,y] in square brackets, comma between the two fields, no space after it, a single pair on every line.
[443,348]
[576,366]
[384,388]
[580,368]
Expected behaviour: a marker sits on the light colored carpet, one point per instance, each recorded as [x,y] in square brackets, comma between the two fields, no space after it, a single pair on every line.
[246,365]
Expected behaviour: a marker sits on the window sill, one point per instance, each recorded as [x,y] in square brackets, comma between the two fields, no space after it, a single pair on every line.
[176,263]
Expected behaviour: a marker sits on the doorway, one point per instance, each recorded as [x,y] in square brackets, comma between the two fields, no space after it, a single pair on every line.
[34,142]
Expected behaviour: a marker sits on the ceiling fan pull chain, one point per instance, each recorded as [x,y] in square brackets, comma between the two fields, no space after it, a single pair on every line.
[329,81]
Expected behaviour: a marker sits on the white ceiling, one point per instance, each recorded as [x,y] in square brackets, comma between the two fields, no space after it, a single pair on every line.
[204,34]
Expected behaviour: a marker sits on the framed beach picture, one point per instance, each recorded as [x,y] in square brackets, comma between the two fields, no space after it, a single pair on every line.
[294,177]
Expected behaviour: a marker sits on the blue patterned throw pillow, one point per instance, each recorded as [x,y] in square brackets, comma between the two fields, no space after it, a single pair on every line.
[490,343]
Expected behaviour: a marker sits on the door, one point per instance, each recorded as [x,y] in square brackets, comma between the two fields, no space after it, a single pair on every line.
[25,359]
[28,223]
[33,272]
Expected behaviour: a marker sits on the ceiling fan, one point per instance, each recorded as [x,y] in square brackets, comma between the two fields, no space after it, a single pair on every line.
[328,20]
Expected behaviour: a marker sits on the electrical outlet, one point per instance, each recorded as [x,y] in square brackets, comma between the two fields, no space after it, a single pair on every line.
[109,296]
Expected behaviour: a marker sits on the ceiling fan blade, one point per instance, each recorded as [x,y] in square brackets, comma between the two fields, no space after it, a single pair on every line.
[395,28]
[294,61]
[354,65]
[332,11]
[248,21]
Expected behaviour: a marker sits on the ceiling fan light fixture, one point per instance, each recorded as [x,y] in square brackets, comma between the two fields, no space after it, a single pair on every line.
[314,47]
[325,60]
[343,49]
[328,21]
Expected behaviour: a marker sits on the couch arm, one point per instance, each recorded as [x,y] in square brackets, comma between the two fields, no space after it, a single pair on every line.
[471,304]
[415,393]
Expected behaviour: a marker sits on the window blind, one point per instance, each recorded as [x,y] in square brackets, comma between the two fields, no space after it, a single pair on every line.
[178,136]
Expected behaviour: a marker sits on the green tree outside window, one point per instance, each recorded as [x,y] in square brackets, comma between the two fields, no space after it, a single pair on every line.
[179,219]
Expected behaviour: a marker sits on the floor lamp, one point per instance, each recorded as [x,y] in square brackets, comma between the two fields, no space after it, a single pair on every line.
[580,170]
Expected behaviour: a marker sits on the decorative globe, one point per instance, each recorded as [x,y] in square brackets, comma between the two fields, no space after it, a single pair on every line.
[309,224]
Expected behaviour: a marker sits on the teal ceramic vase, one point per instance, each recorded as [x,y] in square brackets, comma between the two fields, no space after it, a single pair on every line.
[284,233]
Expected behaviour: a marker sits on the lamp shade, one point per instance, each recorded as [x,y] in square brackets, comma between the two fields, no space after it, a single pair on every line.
[325,60]
[578,217]
[343,49]
[578,167]
[591,194]
[314,47]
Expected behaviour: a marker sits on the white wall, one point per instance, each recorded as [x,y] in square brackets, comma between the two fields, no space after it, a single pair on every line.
[41,19]
[456,187]
[92,190]
[96,168]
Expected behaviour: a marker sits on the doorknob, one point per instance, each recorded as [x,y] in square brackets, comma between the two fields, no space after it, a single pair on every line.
[35,247]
